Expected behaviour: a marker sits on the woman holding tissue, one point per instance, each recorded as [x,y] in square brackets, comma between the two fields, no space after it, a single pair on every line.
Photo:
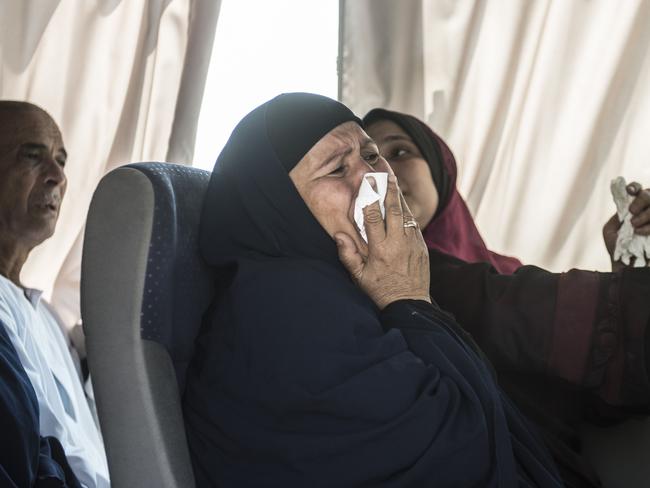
[324,361]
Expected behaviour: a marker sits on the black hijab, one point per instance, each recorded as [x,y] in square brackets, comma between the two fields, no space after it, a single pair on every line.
[297,378]
[265,214]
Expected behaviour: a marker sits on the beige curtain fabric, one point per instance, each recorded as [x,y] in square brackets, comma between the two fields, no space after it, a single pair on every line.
[543,103]
[124,81]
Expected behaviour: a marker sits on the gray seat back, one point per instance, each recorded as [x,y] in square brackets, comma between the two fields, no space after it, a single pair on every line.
[144,289]
[621,453]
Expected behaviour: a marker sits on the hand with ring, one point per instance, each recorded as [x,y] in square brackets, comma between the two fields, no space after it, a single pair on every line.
[397,264]
[410,223]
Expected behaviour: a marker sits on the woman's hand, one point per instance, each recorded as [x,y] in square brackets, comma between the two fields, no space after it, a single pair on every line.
[640,209]
[397,265]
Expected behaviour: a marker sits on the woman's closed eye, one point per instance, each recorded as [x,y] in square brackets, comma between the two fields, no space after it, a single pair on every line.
[371,158]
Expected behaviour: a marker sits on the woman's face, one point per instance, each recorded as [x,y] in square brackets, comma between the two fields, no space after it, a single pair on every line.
[410,167]
[328,177]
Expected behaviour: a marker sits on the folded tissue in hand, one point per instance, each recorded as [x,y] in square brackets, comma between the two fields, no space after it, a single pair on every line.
[628,244]
[367,196]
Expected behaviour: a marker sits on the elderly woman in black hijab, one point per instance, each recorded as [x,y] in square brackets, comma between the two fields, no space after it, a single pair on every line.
[326,366]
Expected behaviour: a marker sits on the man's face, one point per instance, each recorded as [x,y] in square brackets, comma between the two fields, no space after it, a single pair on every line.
[32,182]
[328,177]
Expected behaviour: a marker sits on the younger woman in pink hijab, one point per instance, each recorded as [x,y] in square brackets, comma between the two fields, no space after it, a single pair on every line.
[427,172]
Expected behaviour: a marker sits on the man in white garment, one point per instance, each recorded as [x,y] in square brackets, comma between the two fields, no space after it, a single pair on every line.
[32,186]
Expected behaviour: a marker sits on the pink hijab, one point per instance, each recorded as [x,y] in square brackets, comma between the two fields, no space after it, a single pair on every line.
[452,229]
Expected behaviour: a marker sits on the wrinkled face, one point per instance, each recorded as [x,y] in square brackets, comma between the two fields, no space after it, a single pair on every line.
[32,182]
[410,167]
[328,177]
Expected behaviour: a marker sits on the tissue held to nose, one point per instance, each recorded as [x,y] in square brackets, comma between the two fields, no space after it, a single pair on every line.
[367,196]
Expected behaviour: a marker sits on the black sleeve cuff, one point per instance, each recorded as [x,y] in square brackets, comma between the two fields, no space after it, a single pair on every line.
[411,314]
[414,315]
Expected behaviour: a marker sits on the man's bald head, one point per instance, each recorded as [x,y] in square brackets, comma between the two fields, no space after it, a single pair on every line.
[15,114]
[10,108]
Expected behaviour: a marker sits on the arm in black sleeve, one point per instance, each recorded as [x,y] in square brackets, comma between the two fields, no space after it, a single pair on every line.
[426,329]
[587,328]
[414,317]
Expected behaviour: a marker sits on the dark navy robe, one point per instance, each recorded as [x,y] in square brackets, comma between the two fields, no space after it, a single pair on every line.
[299,380]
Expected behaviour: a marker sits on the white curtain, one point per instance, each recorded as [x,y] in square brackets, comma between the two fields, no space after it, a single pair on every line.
[543,103]
[124,81]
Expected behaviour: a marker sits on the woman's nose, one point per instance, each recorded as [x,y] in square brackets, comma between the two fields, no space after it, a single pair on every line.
[362,169]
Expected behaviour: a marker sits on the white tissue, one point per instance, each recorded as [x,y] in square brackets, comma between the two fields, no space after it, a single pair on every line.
[628,244]
[367,196]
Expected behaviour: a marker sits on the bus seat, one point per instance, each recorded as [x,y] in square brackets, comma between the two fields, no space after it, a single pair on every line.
[620,453]
[144,288]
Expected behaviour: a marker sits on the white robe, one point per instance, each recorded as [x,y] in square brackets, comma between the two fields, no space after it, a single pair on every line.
[64,411]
